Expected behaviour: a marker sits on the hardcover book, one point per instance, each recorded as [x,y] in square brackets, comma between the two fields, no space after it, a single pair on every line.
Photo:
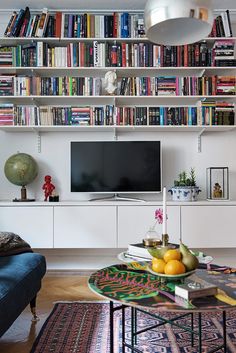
[139,250]
[195,288]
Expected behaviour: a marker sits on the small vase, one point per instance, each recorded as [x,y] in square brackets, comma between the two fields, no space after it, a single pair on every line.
[151,237]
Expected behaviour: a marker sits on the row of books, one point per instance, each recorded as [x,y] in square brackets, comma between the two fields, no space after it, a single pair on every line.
[50,86]
[131,86]
[208,113]
[117,54]
[88,25]
[30,115]
[70,25]
[177,86]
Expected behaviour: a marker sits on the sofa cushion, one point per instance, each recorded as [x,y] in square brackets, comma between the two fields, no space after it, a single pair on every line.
[20,280]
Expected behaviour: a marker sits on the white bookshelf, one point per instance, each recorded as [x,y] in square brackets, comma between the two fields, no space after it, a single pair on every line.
[120,71]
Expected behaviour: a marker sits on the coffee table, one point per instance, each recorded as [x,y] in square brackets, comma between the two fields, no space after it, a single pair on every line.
[132,286]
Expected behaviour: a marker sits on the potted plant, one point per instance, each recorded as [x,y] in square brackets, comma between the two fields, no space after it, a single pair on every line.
[185,188]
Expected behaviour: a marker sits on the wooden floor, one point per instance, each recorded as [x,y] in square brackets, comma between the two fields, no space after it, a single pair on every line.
[20,337]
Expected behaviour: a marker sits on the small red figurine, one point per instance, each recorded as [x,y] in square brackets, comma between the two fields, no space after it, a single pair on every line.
[48,187]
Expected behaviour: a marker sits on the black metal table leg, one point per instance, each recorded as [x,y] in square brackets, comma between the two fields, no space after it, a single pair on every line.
[132,326]
[224,331]
[200,332]
[123,329]
[192,333]
[111,328]
[135,325]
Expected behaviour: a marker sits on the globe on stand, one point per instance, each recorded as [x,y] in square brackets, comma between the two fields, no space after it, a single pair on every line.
[21,169]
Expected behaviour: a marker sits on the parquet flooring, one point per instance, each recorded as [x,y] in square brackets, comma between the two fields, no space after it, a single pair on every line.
[20,337]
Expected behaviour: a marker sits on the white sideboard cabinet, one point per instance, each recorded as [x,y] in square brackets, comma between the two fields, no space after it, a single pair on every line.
[33,223]
[85,227]
[134,222]
[209,226]
[115,225]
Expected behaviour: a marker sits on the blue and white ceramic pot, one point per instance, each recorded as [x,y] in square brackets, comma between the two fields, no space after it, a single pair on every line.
[184,193]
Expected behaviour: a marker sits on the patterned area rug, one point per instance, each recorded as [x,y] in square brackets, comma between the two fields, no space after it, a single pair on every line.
[82,327]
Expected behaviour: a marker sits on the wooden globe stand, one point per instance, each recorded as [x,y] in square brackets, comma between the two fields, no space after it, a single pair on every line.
[23,196]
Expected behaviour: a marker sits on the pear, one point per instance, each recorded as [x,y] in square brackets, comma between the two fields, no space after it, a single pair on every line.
[158,252]
[188,259]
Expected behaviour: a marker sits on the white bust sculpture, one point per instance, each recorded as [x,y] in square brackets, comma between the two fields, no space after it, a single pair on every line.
[110,82]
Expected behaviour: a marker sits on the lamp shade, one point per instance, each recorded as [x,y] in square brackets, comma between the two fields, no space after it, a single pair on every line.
[178,22]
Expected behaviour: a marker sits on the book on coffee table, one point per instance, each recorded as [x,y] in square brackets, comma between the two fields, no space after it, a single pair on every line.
[192,289]
[138,250]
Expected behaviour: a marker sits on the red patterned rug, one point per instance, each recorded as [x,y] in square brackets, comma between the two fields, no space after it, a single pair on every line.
[82,327]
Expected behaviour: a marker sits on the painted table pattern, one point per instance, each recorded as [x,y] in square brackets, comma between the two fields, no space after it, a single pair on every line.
[131,284]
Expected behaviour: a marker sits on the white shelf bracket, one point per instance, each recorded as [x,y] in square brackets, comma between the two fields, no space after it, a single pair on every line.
[39,140]
[199,140]
[202,72]
[115,134]
[35,102]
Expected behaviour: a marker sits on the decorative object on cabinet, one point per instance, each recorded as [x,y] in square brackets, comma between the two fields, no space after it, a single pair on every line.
[21,169]
[178,22]
[217,183]
[185,188]
[48,188]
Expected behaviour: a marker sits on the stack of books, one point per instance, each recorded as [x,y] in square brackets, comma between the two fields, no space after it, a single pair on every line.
[224,53]
[225,85]
[138,252]
[195,288]
[224,113]
[6,114]
[6,56]
[7,85]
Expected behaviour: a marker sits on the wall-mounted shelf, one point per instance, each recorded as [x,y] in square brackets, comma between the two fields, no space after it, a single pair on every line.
[150,128]
[61,41]
[116,100]
[120,71]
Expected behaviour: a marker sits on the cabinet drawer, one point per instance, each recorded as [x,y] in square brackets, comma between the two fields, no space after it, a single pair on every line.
[33,224]
[134,222]
[85,227]
[208,226]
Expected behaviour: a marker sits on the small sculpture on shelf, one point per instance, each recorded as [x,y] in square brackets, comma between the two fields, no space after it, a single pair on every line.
[110,82]
[217,191]
[48,187]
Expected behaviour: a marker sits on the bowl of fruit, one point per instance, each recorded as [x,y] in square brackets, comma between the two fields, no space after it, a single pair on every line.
[173,264]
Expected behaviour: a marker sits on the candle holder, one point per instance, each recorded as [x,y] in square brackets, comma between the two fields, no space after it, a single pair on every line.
[151,242]
[165,240]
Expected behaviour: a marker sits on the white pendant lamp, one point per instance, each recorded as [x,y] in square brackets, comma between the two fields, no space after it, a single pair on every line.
[178,22]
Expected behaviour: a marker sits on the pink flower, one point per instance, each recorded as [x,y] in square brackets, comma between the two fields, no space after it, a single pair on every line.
[159,215]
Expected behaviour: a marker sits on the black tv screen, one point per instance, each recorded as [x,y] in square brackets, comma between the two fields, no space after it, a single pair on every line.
[116,166]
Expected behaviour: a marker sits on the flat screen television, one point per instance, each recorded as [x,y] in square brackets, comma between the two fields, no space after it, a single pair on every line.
[116,167]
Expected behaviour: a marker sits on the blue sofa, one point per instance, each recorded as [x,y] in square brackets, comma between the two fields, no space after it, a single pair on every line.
[20,281]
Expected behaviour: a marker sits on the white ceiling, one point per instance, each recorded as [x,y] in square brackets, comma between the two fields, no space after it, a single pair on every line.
[95,4]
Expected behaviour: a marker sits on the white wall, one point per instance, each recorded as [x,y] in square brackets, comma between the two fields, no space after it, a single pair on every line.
[179,153]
